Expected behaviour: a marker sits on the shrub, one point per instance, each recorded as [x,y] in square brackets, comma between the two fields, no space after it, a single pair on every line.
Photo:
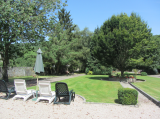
[101,70]
[135,71]
[127,96]
[87,70]
[96,71]
[90,73]
[143,74]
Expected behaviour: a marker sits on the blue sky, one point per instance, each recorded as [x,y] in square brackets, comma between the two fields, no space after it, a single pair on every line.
[93,13]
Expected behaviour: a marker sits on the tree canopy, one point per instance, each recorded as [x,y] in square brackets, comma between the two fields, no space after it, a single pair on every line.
[122,41]
[23,21]
[57,50]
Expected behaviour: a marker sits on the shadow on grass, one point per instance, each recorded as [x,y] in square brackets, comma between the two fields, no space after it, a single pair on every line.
[98,78]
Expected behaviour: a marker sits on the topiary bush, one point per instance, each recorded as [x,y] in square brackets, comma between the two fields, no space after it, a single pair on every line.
[90,73]
[143,74]
[127,96]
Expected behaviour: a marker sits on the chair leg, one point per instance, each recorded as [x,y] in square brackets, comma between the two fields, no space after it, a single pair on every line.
[7,96]
[70,99]
[73,96]
[55,99]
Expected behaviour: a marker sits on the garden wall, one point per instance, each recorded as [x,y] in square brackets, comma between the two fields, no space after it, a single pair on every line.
[19,71]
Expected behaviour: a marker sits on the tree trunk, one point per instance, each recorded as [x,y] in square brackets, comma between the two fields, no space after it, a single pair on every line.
[5,59]
[58,65]
[122,72]
[5,71]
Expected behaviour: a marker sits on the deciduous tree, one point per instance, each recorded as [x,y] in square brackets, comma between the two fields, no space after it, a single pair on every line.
[23,21]
[121,41]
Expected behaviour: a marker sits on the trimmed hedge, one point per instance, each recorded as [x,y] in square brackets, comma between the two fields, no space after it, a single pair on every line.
[143,74]
[127,96]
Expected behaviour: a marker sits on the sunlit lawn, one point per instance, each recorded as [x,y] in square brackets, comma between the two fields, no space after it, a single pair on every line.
[92,88]
[151,86]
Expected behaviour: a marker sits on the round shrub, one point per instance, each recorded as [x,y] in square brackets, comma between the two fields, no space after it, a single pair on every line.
[127,96]
[143,74]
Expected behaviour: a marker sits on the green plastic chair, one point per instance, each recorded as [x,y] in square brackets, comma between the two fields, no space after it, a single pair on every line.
[61,90]
[4,89]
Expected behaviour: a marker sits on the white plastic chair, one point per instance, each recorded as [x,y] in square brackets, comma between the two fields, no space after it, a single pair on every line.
[45,91]
[21,90]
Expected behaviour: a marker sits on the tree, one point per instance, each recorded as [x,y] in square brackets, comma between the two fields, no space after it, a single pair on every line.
[66,22]
[22,21]
[58,48]
[81,47]
[121,41]
[151,57]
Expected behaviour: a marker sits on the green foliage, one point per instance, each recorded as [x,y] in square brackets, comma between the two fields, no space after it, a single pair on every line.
[1,64]
[135,71]
[143,74]
[127,96]
[66,22]
[122,41]
[81,47]
[21,23]
[153,56]
[90,73]
[28,59]
[102,70]
[126,73]
[67,44]
[87,70]
[97,67]
[57,51]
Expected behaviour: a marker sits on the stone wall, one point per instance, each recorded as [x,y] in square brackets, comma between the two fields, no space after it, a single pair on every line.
[19,71]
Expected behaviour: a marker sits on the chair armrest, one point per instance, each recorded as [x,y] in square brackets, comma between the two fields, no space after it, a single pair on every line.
[32,90]
[12,89]
[70,91]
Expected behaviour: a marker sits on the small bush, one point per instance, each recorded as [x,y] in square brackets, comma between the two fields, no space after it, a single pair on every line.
[96,71]
[127,96]
[87,70]
[143,74]
[90,73]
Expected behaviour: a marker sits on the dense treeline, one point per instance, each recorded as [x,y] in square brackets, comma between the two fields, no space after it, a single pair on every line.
[122,42]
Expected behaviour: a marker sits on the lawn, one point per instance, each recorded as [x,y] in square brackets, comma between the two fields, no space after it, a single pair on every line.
[92,88]
[151,86]
[11,79]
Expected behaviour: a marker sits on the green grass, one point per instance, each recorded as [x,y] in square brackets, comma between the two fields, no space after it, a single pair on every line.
[151,86]
[11,79]
[92,88]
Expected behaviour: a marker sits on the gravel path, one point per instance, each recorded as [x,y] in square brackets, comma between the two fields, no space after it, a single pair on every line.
[17,109]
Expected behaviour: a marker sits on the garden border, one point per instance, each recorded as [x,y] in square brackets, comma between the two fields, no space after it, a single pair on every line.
[147,95]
